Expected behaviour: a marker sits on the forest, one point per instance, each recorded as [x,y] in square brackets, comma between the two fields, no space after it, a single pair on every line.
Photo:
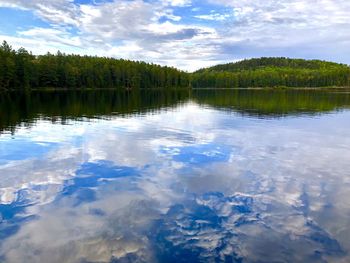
[21,70]
[273,72]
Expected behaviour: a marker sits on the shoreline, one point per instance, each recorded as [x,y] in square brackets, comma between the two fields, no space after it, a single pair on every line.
[46,89]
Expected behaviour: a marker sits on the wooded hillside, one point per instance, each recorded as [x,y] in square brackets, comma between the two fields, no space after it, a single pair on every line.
[20,69]
[272,72]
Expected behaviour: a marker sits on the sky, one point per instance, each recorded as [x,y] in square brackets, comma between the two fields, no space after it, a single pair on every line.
[187,34]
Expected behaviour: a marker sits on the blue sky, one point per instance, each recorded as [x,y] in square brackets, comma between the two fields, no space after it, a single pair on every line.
[188,34]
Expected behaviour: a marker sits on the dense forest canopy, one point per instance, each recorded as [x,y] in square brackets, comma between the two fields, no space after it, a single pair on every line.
[20,69]
[281,62]
[273,72]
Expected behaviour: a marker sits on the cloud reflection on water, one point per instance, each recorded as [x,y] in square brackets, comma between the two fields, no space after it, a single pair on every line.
[191,184]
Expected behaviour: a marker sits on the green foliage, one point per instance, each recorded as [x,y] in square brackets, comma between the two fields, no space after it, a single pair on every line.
[273,72]
[20,69]
[280,62]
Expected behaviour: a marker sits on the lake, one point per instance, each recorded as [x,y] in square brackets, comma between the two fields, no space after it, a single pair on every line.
[176,176]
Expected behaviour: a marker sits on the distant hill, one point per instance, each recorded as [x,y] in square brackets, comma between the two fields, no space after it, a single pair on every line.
[275,62]
[273,72]
[21,70]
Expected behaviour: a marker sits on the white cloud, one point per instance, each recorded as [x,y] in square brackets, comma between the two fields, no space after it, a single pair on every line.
[317,26]
[53,11]
[178,2]
[52,35]
[215,16]
[137,29]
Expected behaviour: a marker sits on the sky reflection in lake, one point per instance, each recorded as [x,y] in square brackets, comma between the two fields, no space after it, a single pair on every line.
[190,183]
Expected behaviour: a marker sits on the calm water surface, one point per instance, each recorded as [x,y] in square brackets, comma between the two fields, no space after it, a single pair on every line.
[226,176]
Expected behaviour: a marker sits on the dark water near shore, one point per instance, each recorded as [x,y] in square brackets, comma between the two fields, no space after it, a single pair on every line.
[178,176]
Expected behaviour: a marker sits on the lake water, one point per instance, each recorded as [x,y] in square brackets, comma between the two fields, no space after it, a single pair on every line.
[200,176]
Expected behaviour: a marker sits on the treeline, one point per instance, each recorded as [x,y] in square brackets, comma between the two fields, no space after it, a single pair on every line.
[19,69]
[272,77]
[273,72]
[280,62]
